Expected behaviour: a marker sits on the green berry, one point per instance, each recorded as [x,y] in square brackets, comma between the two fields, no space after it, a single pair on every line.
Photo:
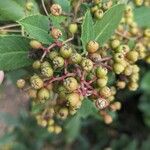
[99,14]
[139,2]
[35,44]
[87,64]
[65,51]
[73,28]
[73,99]
[92,46]
[29,6]
[70,84]
[63,113]
[107,5]
[128,70]
[133,86]
[132,56]
[101,72]
[58,62]
[36,64]
[105,92]
[47,71]
[115,43]
[102,82]
[123,49]
[43,94]
[45,64]
[21,83]
[118,57]
[94,9]
[53,54]
[76,58]
[118,68]
[36,82]
[57,129]
[147,32]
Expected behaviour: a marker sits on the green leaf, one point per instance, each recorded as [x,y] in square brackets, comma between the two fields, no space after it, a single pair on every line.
[142,16]
[87,29]
[15,9]
[145,83]
[14,52]
[65,4]
[37,26]
[7,139]
[104,28]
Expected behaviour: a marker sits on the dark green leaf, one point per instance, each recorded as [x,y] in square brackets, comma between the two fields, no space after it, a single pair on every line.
[105,27]
[145,83]
[142,16]
[14,52]
[87,29]
[7,139]
[37,26]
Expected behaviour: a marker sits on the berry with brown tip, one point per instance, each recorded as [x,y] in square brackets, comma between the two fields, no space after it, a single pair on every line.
[87,64]
[58,62]
[92,46]
[56,33]
[21,83]
[56,10]
[65,51]
[43,94]
[35,44]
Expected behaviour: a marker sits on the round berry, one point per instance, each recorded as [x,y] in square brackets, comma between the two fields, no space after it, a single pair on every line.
[133,86]
[21,83]
[115,43]
[121,84]
[101,72]
[56,33]
[58,62]
[94,9]
[138,2]
[95,57]
[73,28]
[45,64]
[50,129]
[36,64]
[107,5]
[92,46]
[53,54]
[63,113]
[147,32]
[123,49]
[56,10]
[32,93]
[35,44]
[70,84]
[87,64]
[36,82]
[118,57]
[73,99]
[99,14]
[29,6]
[105,92]
[47,71]
[102,82]
[132,56]
[65,51]
[76,58]
[43,94]
[118,68]
[57,129]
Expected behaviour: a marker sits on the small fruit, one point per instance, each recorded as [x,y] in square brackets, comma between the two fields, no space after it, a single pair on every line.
[45,64]
[147,32]
[50,129]
[57,129]
[107,5]
[58,62]
[118,68]
[73,28]
[94,8]
[36,82]
[65,51]
[47,71]
[92,46]
[32,93]
[53,54]
[115,43]
[95,57]
[36,64]
[21,83]
[70,84]
[121,84]
[133,86]
[123,49]
[101,72]
[132,56]
[99,14]
[43,94]
[87,64]
[63,113]
[73,99]
[105,92]
[102,82]
[56,33]
[29,6]
[118,57]
[56,10]
[138,2]
[35,44]
[76,58]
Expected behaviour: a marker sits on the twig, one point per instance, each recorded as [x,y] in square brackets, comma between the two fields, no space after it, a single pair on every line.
[68,40]
[13,31]
[9,26]
[44,7]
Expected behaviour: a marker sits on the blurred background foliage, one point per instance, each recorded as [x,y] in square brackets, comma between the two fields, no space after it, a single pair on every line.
[129,131]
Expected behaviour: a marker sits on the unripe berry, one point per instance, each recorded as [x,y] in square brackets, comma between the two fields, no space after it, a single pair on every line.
[135,69]
[57,129]
[115,44]
[51,122]
[107,5]
[53,54]
[50,129]
[45,64]
[65,51]
[134,77]
[47,71]
[133,86]
[36,64]
[108,119]
[32,93]
[118,57]
[121,84]
[105,91]
[21,83]
[134,30]
[92,46]
[56,10]
[73,99]
[87,64]
[95,57]
[73,28]
[132,56]
[70,84]
[35,44]
[94,8]
[36,82]
[43,123]
[96,1]
[113,90]
[56,33]
[76,58]
[43,94]
[128,70]
[101,72]
[62,91]
[118,68]
[29,6]
[123,49]
[99,14]
[147,32]
[138,2]
[72,111]
[58,62]
[63,113]
[102,82]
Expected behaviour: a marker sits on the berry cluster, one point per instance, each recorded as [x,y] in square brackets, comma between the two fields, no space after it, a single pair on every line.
[64,77]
